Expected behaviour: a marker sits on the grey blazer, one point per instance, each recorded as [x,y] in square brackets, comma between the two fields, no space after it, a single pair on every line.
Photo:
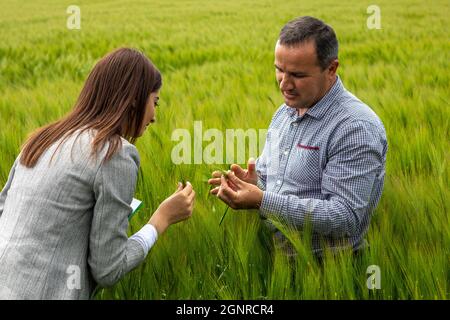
[63,225]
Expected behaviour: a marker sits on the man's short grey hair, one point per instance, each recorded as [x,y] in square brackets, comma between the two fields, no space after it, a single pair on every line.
[307,28]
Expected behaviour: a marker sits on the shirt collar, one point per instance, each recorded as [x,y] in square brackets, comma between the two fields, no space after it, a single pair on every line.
[320,108]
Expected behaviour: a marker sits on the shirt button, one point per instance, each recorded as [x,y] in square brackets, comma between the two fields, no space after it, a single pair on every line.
[278,181]
[285,153]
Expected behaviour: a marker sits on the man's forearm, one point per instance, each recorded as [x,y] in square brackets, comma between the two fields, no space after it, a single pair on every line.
[331,217]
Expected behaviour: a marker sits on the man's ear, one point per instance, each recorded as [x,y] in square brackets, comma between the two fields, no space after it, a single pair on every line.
[332,68]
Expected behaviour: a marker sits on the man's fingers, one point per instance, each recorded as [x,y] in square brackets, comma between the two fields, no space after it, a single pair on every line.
[216,174]
[232,185]
[235,180]
[223,182]
[237,170]
[225,192]
[214,181]
[251,165]
[216,189]
[223,186]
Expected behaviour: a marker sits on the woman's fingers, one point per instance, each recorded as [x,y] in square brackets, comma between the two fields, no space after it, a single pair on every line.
[191,201]
[188,188]
[191,197]
[191,207]
[179,187]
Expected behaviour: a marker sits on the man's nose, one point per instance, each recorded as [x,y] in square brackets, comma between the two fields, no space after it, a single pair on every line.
[286,84]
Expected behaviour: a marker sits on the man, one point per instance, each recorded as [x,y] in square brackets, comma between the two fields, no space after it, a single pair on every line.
[325,152]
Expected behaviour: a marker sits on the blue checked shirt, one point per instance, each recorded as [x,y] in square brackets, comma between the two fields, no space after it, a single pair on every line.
[329,165]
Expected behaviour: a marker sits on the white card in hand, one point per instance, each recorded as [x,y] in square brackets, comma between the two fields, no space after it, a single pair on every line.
[135,205]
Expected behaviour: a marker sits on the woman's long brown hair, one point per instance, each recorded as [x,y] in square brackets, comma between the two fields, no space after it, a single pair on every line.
[112,101]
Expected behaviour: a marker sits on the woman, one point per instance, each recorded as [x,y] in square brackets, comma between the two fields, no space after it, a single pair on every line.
[64,209]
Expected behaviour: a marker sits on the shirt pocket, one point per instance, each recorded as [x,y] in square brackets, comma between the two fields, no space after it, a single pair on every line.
[304,165]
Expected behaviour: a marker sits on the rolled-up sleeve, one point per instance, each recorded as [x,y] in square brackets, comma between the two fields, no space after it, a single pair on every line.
[111,253]
[355,159]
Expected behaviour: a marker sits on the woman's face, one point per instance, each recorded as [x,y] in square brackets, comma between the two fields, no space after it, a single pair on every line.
[149,116]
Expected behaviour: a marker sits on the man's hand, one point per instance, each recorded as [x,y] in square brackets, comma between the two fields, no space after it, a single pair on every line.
[249,175]
[237,193]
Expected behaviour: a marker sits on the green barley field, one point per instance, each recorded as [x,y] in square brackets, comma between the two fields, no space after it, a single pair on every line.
[217,62]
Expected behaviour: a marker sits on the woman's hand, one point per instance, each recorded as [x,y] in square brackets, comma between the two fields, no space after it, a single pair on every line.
[176,208]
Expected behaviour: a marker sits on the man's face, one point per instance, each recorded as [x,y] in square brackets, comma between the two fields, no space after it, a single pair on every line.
[300,78]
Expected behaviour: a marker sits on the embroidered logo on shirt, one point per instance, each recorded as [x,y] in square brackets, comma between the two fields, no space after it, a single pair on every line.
[307,147]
